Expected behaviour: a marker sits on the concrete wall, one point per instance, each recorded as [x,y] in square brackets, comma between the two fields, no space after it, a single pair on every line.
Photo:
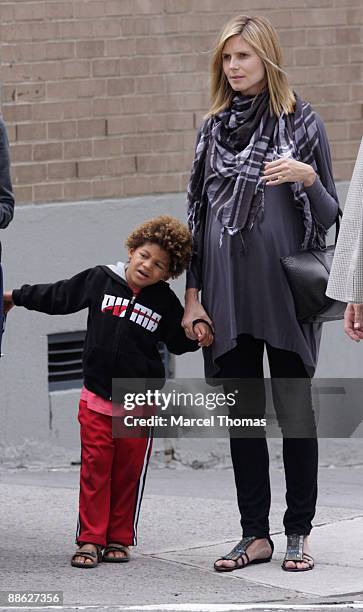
[50,242]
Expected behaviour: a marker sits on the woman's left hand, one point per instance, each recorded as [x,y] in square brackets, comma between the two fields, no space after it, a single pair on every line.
[288,170]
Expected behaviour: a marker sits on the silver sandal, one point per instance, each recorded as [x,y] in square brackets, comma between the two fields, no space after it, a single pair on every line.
[239,552]
[295,553]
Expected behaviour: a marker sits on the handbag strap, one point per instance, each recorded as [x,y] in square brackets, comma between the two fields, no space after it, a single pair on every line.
[337,224]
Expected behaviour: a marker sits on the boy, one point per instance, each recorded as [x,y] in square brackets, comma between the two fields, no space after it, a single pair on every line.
[131,308]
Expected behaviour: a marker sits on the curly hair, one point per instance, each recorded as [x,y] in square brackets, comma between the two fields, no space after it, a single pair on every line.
[171,235]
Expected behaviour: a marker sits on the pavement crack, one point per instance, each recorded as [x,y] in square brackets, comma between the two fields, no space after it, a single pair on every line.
[340,520]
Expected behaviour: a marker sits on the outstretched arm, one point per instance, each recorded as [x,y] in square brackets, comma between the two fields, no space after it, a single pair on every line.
[62,297]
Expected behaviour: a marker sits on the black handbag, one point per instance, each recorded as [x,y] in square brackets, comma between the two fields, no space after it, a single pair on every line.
[308,273]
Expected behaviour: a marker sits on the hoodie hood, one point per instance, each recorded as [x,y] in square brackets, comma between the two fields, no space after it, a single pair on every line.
[119,268]
[117,271]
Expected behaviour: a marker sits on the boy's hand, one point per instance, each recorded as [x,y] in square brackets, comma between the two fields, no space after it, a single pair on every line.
[8,301]
[204,333]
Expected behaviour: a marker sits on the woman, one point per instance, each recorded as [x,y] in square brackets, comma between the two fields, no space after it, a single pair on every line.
[6,202]
[261,188]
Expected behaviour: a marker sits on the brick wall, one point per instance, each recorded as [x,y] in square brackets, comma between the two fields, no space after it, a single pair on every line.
[102,97]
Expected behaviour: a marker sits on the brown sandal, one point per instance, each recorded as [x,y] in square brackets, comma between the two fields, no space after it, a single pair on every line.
[95,557]
[239,552]
[114,547]
[295,553]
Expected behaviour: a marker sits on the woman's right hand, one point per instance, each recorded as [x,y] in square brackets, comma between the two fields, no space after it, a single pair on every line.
[193,310]
[8,301]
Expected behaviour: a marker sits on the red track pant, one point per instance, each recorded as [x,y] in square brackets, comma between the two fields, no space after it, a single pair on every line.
[112,480]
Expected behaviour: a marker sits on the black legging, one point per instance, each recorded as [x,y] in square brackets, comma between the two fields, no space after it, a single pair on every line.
[250,454]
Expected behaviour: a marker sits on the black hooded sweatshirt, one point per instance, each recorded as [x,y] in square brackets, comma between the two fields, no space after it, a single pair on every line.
[123,329]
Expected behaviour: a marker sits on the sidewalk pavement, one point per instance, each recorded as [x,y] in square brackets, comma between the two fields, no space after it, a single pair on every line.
[189,518]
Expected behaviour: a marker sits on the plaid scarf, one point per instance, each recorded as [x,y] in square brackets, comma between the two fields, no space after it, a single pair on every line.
[229,161]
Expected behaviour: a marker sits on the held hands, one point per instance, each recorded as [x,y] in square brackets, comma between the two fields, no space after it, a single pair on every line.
[288,170]
[194,310]
[8,301]
[203,333]
[353,321]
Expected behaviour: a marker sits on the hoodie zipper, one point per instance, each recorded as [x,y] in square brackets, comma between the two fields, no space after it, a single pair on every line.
[130,306]
[128,312]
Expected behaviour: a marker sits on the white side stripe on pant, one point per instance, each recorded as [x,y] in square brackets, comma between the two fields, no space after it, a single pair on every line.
[141,487]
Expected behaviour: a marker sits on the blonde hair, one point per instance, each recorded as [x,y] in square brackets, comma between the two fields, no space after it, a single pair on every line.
[260,34]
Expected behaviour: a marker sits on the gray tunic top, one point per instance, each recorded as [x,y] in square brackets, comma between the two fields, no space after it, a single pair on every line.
[245,290]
